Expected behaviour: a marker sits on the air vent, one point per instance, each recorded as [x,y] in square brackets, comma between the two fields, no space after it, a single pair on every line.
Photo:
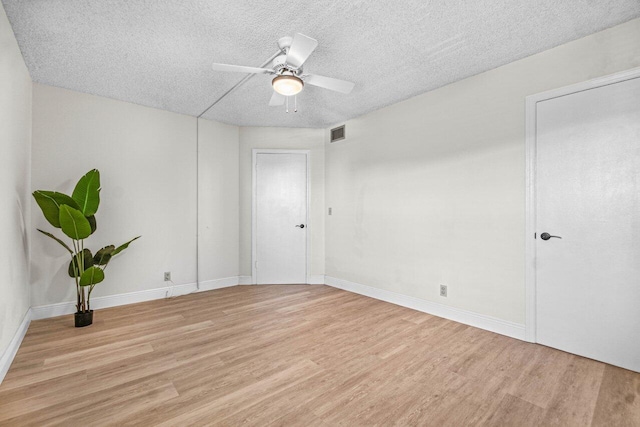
[337,134]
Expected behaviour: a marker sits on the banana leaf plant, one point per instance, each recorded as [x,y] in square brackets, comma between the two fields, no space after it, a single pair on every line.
[75,216]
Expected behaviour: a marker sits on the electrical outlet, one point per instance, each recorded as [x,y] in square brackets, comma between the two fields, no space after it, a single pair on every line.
[167,276]
[330,211]
[443,290]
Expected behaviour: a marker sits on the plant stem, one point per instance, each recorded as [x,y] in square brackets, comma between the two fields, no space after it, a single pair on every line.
[76,266]
[84,302]
[89,297]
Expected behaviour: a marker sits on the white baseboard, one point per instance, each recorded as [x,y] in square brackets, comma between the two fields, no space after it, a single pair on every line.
[503,327]
[245,280]
[14,345]
[209,285]
[315,279]
[53,310]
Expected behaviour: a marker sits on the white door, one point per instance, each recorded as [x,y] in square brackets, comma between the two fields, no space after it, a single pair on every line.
[588,193]
[281,218]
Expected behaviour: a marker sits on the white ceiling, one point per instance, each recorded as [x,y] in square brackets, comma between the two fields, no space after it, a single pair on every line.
[158,53]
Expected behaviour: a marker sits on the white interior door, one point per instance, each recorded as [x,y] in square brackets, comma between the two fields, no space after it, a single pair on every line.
[588,193]
[281,218]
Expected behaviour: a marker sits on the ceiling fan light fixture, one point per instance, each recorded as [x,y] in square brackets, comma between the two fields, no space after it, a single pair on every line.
[287,85]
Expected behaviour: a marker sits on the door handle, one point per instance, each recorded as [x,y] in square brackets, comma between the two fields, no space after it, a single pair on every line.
[301,225]
[547,236]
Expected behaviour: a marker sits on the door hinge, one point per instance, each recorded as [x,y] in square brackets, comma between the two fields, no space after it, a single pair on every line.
[255,264]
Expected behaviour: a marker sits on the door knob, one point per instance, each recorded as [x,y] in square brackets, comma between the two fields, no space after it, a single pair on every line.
[301,225]
[547,236]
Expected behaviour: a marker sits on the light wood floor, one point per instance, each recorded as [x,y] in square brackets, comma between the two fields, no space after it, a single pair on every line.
[300,355]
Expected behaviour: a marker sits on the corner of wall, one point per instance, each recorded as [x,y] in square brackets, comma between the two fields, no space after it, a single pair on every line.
[15,189]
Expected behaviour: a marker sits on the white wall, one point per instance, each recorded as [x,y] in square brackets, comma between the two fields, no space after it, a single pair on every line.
[283,138]
[15,152]
[146,159]
[431,190]
[218,205]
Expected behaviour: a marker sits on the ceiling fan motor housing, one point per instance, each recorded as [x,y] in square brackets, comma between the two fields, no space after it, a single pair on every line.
[280,66]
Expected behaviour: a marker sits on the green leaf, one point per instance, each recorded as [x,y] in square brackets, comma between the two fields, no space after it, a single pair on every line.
[56,239]
[87,192]
[50,202]
[73,223]
[92,223]
[88,262]
[103,256]
[91,276]
[123,246]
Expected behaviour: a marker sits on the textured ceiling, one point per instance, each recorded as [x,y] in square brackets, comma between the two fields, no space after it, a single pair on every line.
[158,53]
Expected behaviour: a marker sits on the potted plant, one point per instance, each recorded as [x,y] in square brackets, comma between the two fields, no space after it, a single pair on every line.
[75,216]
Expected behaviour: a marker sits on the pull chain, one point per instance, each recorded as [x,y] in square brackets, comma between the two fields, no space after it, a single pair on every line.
[287,108]
[295,103]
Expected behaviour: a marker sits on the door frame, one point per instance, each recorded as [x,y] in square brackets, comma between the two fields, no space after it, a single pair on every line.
[530,182]
[254,213]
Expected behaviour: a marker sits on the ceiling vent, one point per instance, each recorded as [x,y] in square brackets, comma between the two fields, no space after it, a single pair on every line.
[338,133]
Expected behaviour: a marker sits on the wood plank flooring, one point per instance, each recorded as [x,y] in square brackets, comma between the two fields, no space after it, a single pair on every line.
[288,355]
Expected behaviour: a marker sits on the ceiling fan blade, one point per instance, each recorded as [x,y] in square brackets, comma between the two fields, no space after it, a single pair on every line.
[300,49]
[329,83]
[276,99]
[240,69]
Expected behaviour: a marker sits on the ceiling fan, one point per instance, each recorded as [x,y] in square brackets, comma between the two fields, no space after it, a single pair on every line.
[289,77]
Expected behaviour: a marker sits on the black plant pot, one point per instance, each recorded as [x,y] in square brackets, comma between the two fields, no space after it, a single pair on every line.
[84,318]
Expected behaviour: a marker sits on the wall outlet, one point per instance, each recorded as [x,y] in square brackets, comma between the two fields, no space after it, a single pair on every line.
[443,290]
[330,211]
[167,276]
